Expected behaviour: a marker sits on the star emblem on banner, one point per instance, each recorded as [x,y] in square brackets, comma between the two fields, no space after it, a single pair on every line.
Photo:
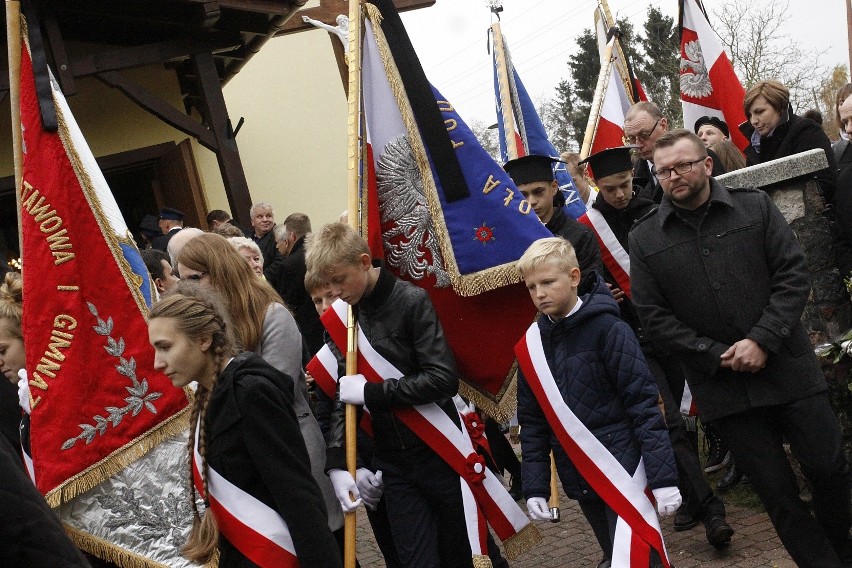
[483,233]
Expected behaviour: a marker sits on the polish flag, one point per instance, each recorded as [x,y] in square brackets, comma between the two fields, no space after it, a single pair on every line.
[708,84]
[610,129]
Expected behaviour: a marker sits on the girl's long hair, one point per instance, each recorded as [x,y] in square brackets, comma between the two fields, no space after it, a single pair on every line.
[199,313]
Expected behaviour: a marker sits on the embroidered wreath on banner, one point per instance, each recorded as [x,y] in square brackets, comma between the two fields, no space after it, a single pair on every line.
[694,75]
[139,396]
[402,201]
[166,518]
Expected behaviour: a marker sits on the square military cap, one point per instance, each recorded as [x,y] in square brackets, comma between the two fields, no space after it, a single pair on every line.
[610,161]
[149,227]
[171,213]
[528,169]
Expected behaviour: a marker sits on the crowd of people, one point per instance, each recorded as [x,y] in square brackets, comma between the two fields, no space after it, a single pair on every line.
[643,323]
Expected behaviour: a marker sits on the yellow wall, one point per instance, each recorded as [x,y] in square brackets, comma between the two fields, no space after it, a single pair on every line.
[293,143]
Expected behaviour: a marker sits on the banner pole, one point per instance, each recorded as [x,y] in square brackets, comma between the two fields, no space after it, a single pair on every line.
[505,91]
[597,101]
[354,199]
[13,40]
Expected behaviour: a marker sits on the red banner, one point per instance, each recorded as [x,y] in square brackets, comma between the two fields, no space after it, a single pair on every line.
[97,403]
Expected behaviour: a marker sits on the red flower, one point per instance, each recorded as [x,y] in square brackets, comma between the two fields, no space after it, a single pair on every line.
[475,427]
[474,467]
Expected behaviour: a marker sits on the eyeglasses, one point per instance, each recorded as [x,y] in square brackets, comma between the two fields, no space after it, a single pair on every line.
[195,277]
[641,136]
[679,169]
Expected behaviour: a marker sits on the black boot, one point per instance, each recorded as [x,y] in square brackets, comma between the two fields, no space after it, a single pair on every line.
[718,454]
[718,531]
[685,520]
[733,476]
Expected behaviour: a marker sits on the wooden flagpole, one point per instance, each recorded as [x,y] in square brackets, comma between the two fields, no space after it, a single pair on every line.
[354,199]
[597,101]
[13,40]
[505,91]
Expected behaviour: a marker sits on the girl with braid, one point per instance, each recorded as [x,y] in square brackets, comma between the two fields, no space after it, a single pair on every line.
[247,457]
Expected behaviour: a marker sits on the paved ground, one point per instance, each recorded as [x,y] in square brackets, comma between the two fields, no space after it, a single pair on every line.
[570,543]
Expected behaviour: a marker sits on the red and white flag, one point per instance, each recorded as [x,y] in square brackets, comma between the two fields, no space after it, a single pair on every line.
[708,84]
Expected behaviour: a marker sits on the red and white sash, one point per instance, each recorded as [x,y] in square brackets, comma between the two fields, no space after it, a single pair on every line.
[483,494]
[687,404]
[638,529]
[323,368]
[254,528]
[614,257]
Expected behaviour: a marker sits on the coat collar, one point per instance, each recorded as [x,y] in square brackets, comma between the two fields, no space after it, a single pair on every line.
[718,194]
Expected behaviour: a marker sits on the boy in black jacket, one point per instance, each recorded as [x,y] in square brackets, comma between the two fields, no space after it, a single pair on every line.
[590,366]
[423,493]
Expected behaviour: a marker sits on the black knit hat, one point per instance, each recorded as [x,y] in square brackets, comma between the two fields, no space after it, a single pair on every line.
[713,121]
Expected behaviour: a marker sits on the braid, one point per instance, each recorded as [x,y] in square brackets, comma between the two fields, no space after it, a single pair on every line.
[201,546]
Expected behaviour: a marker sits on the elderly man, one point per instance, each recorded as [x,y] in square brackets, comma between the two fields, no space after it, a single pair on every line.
[644,123]
[613,214]
[262,223]
[747,357]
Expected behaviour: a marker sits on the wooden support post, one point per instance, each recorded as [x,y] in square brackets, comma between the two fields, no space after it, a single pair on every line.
[216,116]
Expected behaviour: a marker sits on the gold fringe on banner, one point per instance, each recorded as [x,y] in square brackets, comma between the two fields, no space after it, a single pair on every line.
[482,562]
[524,540]
[502,406]
[105,550]
[119,459]
[463,284]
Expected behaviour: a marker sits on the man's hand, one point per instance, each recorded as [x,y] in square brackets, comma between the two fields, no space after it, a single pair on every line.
[745,356]
[617,293]
[352,389]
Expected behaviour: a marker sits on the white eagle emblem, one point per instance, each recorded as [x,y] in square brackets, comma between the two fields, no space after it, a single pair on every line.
[402,201]
[694,75]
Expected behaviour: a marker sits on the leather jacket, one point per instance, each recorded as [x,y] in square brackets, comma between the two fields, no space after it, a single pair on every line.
[400,323]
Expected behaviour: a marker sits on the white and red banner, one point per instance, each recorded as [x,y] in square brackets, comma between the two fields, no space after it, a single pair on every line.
[638,528]
[708,84]
[455,236]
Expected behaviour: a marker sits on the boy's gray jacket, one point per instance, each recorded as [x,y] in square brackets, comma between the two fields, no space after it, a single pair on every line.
[740,274]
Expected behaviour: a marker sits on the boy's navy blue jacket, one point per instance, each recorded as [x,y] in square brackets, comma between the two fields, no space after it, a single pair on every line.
[601,373]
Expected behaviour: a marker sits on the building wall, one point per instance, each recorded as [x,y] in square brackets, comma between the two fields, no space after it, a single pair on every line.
[293,142]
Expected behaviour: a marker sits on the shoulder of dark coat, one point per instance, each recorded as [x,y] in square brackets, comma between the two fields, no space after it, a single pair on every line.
[646,216]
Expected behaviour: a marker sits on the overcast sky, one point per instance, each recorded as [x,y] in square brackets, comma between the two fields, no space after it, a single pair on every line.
[450,39]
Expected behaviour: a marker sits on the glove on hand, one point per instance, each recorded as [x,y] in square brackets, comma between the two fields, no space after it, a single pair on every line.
[538,509]
[370,485]
[668,500]
[24,391]
[343,485]
[352,389]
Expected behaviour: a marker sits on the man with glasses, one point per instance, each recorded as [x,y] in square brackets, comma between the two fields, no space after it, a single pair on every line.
[720,282]
[644,123]
[613,214]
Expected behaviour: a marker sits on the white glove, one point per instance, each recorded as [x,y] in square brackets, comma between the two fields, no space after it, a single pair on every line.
[538,509]
[668,500]
[352,389]
[370,485]
[24,391]
[343,485]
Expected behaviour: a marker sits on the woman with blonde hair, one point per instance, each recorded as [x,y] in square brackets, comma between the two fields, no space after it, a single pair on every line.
[250,252]
[262,324]
[11,354]
[247,457]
